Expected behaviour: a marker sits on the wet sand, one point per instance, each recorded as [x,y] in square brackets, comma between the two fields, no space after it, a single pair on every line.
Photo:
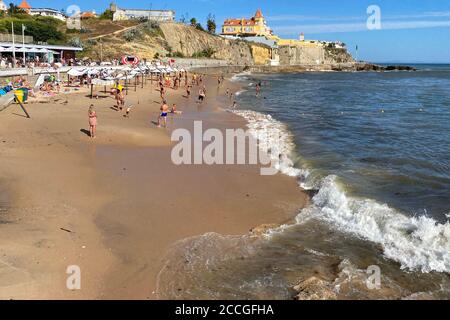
[115,205]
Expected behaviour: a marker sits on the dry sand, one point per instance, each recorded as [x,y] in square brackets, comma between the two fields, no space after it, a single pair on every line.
[114,205]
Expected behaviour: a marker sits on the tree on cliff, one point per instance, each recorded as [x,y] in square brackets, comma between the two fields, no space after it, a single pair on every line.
[211,23]
[107,15]
[196,24]
[15,11]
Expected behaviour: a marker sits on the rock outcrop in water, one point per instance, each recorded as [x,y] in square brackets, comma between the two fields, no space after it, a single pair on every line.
[352,283]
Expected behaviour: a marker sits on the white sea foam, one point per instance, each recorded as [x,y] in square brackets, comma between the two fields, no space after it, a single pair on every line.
[241,76]
[274,139]
[240,92]
[417,243]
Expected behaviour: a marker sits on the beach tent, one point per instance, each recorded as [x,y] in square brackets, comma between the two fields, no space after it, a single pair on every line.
[41,79]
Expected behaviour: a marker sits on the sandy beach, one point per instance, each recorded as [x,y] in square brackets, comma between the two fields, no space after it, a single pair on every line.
[116,204]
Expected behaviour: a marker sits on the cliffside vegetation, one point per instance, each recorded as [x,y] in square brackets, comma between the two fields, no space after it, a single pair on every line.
[42,29]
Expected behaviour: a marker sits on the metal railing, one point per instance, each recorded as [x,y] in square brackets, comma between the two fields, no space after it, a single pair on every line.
[17,38]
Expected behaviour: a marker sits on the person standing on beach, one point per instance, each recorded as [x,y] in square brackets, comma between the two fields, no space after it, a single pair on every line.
[258,88]
[120,99]
[92,121]
[188,90]
[163,115]
[201,96]
[162,93]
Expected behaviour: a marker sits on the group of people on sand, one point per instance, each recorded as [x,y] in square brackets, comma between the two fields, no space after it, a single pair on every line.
[165,110]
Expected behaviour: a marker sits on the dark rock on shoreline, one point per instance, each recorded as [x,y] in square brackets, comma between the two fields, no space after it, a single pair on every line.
[374,67]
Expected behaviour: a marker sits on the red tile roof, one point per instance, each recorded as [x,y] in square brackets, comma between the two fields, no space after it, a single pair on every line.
[24,5]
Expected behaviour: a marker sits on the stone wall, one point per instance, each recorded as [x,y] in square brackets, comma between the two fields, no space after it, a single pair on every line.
[299,55]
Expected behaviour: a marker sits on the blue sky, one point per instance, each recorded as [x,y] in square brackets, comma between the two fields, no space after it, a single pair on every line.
[411,30]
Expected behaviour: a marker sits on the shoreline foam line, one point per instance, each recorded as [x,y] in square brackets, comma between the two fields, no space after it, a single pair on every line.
[417,243]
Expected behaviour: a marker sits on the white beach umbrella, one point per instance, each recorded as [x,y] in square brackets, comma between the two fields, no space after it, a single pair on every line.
[76,73]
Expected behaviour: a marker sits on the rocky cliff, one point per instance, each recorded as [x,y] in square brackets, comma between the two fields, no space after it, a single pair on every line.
[149,40]
[192,42]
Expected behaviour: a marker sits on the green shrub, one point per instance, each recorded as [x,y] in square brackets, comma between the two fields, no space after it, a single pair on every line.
[178,54]
[206,53]
[42,29]
[75,42]
[132,34]
[106,15]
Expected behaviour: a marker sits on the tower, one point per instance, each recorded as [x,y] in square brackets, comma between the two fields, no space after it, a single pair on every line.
[259,19]
[113,7]
[25,6]
[302,36]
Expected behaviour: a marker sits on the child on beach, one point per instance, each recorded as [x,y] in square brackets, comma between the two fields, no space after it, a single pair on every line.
[174,109]
[163,115]
[92,121]
[127,112]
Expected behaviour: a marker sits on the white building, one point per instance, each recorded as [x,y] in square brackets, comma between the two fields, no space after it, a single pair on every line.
[46,12]
[130,14]
[3,6]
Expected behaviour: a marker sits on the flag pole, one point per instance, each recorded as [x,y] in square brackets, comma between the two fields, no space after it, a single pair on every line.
[14,45]
[23,44]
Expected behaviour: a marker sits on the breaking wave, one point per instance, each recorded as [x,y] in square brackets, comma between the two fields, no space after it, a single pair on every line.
[417,243]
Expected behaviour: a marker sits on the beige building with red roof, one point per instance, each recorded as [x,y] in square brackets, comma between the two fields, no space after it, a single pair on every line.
[255,26]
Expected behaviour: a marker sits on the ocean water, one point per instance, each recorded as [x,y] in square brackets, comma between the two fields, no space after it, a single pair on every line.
[375,150]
